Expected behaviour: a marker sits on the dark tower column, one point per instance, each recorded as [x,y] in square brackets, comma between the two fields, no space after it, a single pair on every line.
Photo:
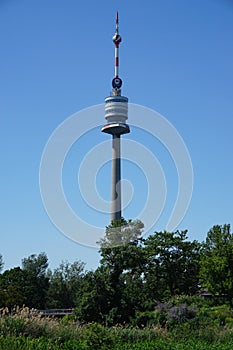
[116,178]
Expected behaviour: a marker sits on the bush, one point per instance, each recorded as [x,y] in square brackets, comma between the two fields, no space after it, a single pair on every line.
[144,319]
[188,300]
[170,315]
[183,329]
[97,337]
[220,314]
[11,326]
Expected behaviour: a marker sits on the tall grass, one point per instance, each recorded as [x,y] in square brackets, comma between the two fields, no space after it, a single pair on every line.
[23,343]
[26,322]
[24,329]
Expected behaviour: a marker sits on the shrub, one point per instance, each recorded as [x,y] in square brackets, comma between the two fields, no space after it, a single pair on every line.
[11,326]
[144,319]
[181,313]
[189,300]
[97,337]
[170,315]
[219,314]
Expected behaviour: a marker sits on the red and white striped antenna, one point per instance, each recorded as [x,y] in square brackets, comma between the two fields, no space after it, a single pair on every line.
[117,82]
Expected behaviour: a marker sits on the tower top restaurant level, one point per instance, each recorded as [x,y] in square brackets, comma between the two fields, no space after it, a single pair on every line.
[116,106]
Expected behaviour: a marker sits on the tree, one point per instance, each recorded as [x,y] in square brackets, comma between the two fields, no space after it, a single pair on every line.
[36,268]
[121,232]
[122,262]
[1,263]
[20,287]
[64,284]
[172,264]
[16,288]
[36,265]
[95,297]
[107,294]
[125,255]
[134,273]
[216,271]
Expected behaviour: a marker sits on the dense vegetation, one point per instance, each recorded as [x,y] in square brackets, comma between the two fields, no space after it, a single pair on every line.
[144,295]
[174,325]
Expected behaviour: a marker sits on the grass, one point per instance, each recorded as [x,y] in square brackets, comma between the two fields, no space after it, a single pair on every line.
[27,343]
[23,329]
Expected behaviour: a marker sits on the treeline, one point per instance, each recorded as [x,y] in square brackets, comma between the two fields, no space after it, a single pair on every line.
[134,275]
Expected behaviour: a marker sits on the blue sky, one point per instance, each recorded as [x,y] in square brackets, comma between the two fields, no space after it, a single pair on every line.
[57,58]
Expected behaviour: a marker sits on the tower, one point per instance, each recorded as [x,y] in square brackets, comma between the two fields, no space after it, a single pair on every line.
[116,114]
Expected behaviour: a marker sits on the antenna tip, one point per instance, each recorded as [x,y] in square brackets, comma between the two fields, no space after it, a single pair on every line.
[117,17]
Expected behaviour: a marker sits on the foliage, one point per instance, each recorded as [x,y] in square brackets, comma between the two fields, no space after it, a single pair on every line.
[169,315]
[26,343]
[22,343]
[36,265]
[216,271]
[122,263]
[98,337]
[94,298]
[172,264]
[16,287]
[28,285]
[1,263]
[190,300]
[121,232]
[36,268]
[143,319]
[18,332]
[64,284]
[140,281]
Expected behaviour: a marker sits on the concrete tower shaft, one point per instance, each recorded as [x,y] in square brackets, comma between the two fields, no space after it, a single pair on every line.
[116,114]
[116,178]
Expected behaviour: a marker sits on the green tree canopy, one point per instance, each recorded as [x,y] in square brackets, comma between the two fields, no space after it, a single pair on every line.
[95,296]
[216,271]
[1,263]
[36,265]
[16,288]
[172,264]
[122,264]
[27,285]
[36,268]
[121,232]
[64,284]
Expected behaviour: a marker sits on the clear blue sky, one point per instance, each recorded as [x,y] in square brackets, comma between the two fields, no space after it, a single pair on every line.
[57,58]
